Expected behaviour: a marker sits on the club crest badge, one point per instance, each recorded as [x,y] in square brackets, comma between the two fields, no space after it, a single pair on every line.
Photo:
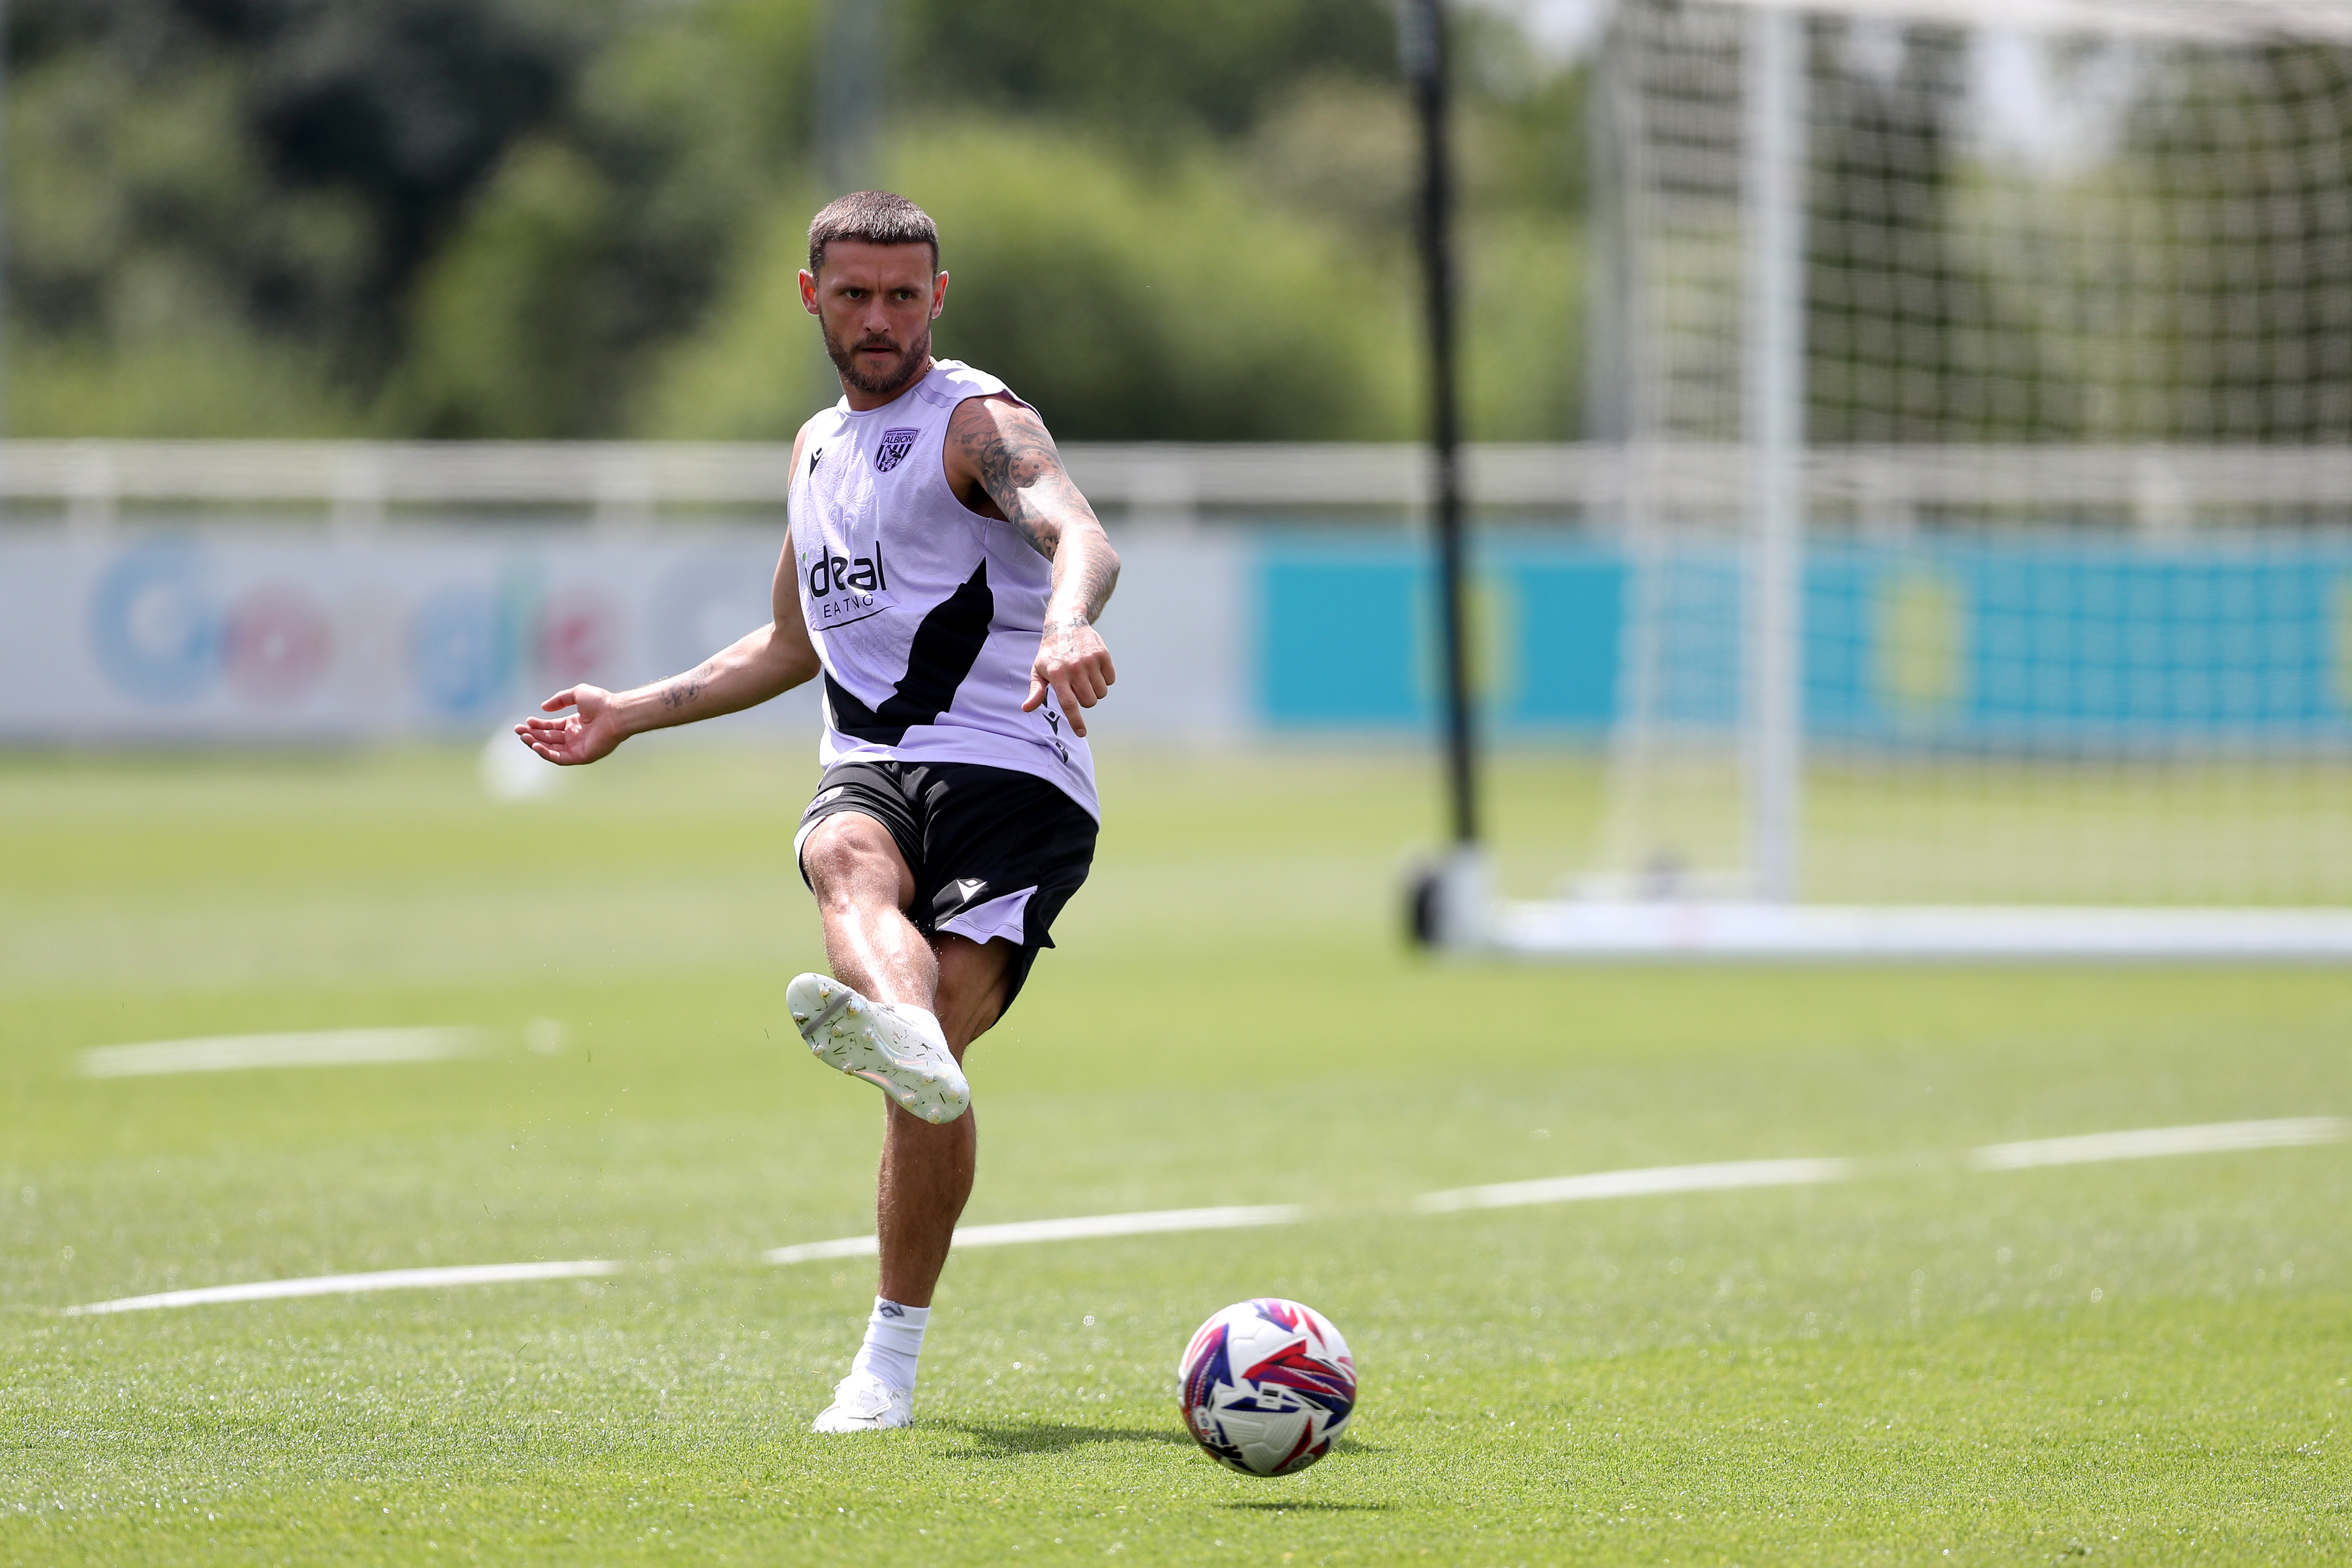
[895,444]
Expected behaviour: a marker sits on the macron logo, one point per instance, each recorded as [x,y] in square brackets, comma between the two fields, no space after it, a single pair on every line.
[890,1310]
[972,887]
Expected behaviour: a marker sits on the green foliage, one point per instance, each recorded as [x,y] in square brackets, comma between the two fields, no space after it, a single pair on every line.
[755,367]
[161,280]
[513,316]
[1136,71]
[536,220]
[1120,305]
[1173,306]
[219,209]
[1523,304]
[1340,154]
[201,382]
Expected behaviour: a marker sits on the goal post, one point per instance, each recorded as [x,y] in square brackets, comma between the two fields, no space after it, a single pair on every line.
[1773,415]
[1978,368]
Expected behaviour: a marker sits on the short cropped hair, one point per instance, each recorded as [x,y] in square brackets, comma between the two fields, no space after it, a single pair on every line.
[876,217]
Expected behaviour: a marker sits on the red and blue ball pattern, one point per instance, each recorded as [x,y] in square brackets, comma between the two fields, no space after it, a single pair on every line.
[1269,1386]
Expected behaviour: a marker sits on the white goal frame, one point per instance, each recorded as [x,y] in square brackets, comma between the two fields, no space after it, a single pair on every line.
[1772,925]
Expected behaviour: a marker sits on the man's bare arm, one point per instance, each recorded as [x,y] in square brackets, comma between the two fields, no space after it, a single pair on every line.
[1002,462]
[1001,449]
[759,665]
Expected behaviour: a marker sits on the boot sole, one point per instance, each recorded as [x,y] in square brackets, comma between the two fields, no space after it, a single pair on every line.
[837,1023]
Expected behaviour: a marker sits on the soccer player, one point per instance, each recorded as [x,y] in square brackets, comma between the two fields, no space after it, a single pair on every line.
[942,575]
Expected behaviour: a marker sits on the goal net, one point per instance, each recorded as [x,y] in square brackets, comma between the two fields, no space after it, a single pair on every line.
[1982,375]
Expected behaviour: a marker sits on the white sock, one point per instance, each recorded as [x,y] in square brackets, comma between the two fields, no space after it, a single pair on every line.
[894,1338]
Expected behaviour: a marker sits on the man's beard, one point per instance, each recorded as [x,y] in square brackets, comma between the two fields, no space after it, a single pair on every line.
[895,379]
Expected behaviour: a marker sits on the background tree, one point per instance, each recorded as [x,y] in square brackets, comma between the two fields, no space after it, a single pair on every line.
[581,217]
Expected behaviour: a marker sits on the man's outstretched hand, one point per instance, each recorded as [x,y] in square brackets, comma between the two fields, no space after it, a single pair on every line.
[1075,666]
[590,731]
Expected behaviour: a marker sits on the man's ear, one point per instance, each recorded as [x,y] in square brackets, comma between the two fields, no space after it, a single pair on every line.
[808,291]
[938,294]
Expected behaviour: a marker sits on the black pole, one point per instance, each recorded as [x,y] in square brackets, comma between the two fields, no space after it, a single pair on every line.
[1422,36]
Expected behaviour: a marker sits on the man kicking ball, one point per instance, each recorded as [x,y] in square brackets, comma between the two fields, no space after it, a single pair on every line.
[943,575]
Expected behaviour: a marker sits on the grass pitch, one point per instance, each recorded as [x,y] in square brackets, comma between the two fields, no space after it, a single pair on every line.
[2141,1362]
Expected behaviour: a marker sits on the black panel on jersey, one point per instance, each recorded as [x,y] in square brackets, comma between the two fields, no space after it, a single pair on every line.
[945,647]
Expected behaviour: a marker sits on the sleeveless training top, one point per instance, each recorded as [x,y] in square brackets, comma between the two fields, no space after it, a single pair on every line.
[925,613]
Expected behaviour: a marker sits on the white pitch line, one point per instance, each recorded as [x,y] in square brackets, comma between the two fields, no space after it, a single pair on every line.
[1078,1228]
[812,1251]
[352,1284]
[1637,1183]
[235,1052]
[1145,1224]
[2151,1143]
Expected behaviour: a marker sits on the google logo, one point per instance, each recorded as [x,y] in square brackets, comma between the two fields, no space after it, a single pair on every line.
[166,630]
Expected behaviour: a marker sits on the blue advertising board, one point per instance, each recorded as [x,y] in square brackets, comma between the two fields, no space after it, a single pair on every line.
[1348,634]
[2033,642]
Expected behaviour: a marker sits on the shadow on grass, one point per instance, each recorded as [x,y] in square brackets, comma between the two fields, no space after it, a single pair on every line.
[1308,1506]
[1009,1439]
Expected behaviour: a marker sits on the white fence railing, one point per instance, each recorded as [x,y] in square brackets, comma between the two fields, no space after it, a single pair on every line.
[358,484]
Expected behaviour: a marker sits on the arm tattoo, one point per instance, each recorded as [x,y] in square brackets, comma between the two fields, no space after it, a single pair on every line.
[1020,472]
[1023,474]
[682,690]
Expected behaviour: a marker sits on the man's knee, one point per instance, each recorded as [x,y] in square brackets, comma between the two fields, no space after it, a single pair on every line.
[850,858]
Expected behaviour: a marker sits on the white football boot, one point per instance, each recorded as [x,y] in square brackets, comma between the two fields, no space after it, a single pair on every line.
[863,1403]
[870,1040]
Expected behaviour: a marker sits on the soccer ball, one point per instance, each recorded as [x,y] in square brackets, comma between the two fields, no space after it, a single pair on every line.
[1268,1385]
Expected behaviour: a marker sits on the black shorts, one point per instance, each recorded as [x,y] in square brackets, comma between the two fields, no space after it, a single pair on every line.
[995,852]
